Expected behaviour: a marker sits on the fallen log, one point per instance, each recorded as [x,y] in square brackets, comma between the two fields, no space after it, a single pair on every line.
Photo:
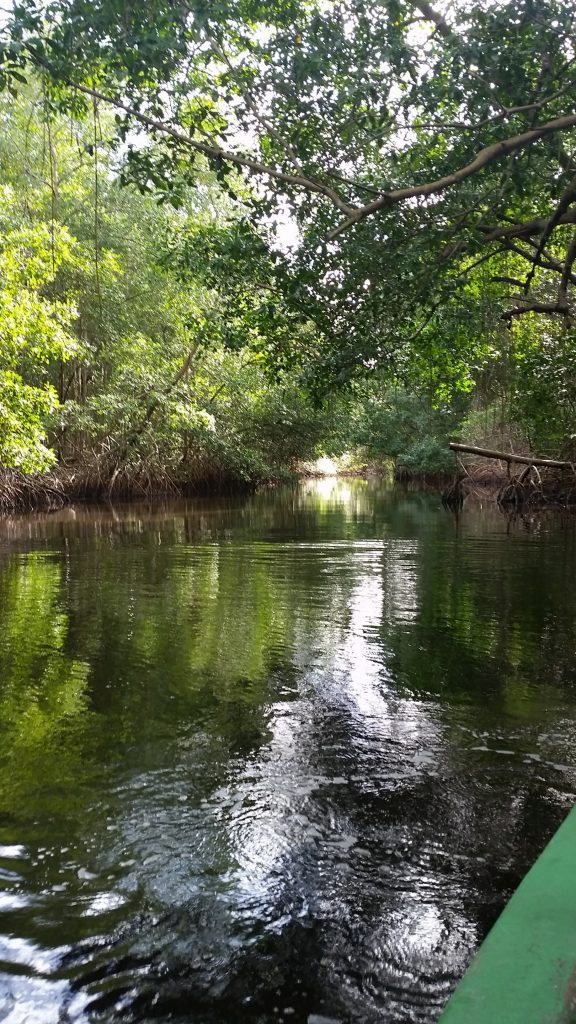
[526,460]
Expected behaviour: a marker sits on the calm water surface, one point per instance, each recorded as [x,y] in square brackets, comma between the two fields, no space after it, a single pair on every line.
[276,759]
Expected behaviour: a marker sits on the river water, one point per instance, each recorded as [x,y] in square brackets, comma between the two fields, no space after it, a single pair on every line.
[274,759]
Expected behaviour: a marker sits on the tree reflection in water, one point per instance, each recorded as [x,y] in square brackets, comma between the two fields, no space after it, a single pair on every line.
[273,757]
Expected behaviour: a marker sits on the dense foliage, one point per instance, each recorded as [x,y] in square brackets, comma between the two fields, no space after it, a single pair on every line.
[120,347]
[248,204]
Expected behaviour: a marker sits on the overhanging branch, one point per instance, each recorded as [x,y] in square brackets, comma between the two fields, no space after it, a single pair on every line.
[213,152]
[529,227]
[559,307]
[442,26]
[486,156]
[527,460]
[565,202]
[567,272]
[545,260]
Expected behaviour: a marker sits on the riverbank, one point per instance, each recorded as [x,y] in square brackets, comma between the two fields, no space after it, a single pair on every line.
[525,488]
[21,492]
[102,483]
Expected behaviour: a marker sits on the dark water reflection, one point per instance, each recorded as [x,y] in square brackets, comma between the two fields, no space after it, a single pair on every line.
[274,759]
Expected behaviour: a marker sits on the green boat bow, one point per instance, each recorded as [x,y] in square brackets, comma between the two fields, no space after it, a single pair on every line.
[525,971]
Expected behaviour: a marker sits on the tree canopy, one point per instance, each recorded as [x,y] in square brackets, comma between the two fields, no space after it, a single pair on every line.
[121,344]
[412,148]
[330,193]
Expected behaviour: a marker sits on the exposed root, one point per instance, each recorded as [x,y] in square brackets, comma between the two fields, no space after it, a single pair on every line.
[453,495]
[101,481]
[530,487]
[22,493]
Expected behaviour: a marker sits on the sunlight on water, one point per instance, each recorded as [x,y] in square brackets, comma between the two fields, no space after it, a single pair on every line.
[275,758]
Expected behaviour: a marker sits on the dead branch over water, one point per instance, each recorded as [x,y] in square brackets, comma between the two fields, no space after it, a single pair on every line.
[556,485]
[526,460]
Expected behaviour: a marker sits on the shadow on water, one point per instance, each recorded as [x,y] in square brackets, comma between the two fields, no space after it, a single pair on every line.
[278,758]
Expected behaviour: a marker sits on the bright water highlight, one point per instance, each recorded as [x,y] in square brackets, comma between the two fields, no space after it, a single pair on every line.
[273,759]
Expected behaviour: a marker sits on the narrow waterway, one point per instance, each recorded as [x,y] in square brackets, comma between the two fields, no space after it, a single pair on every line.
[273,759]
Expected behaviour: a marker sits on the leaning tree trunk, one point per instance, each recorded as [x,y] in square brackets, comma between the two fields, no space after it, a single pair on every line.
[526,487]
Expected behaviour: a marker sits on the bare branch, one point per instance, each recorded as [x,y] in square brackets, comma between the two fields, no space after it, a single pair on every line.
[489,453]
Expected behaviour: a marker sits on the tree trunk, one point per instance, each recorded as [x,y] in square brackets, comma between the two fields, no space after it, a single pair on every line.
[526,460]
